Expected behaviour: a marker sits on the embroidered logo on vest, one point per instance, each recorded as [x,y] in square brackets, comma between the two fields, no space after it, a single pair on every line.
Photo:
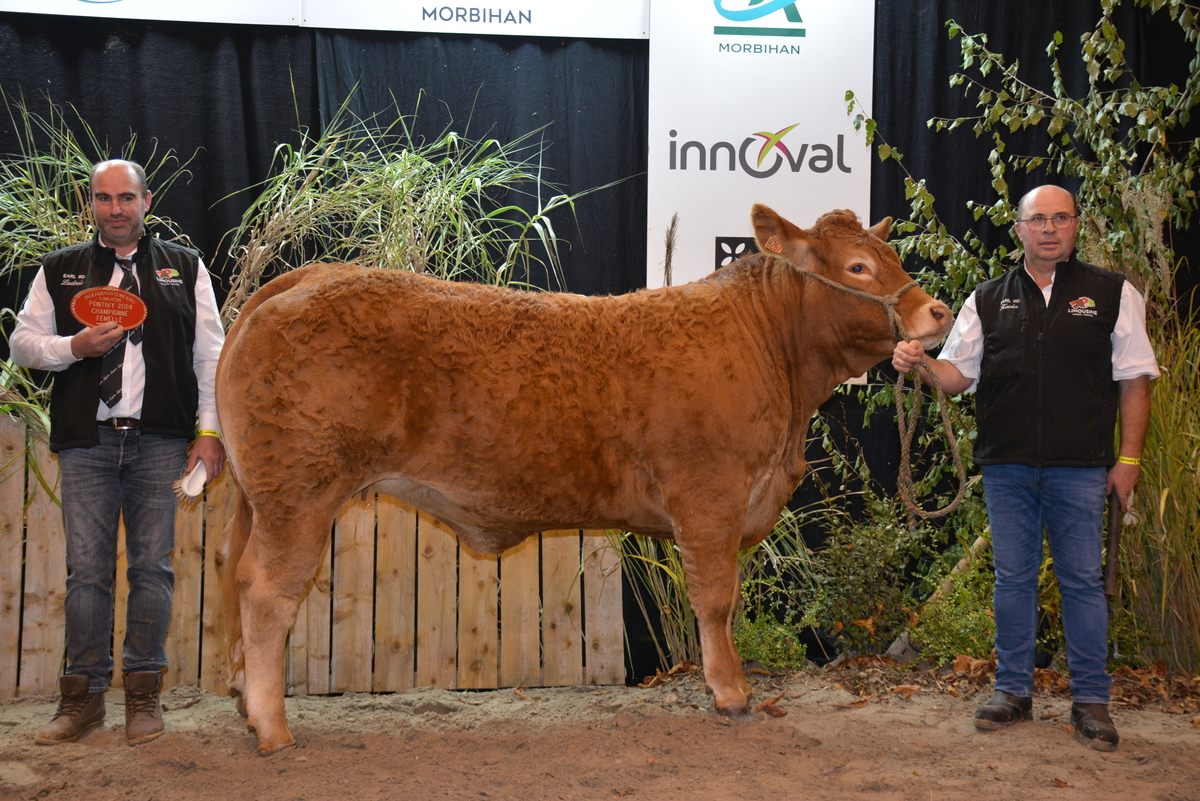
[1010,304]
[71,279]
[169,277]
[1082,306]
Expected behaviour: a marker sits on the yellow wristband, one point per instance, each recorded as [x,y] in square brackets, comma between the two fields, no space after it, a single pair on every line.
[209,433]
[1128,460]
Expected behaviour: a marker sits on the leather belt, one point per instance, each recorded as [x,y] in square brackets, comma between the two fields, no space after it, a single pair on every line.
[120,423]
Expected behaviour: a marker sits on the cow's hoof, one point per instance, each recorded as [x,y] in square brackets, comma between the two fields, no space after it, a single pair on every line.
[266,749]
[741,713]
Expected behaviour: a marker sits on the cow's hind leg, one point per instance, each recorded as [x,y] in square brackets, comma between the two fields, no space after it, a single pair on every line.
[713,589]
[275,569]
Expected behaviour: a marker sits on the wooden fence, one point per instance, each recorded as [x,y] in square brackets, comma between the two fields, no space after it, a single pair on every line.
[397,603]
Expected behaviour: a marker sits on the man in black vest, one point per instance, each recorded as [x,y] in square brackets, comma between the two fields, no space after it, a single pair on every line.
[124,406]
[1053,349]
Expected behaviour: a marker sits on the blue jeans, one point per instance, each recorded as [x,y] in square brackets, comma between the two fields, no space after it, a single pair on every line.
[131,472]
[1068,502]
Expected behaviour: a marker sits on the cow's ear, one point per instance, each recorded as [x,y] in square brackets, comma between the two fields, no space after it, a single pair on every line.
[882,228]
[771,231]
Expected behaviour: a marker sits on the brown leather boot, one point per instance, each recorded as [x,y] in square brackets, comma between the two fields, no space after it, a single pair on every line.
[1093,726]
[78,711]
[143,716]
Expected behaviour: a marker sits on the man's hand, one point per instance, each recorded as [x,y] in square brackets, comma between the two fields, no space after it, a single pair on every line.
[907,354]
[209,450]
[1122,478]
[97,340]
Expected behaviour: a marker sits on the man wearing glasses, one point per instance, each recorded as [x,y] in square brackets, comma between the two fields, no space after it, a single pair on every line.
[1053,350]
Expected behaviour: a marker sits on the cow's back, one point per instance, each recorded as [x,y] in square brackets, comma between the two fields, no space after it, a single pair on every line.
[491,407]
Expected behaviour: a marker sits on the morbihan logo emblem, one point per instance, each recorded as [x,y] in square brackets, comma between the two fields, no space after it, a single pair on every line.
[817,157]
[753,11]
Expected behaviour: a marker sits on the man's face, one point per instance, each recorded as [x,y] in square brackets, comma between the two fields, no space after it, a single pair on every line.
[1054,243]
[119,205]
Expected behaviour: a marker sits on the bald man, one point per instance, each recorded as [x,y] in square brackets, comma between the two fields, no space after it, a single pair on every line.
[1052,349]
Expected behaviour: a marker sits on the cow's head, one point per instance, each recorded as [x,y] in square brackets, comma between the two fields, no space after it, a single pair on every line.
[840,250]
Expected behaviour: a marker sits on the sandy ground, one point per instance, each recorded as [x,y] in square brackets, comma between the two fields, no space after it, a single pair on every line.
[662,743]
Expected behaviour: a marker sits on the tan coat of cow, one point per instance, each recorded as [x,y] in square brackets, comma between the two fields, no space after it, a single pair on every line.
[677,412]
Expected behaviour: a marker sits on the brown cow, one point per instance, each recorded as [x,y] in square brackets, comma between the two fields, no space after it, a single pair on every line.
[679,412]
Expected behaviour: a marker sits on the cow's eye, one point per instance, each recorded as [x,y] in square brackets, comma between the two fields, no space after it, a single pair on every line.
[858,268]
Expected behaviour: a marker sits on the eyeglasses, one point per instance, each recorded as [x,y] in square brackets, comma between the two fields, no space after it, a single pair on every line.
[1038,221]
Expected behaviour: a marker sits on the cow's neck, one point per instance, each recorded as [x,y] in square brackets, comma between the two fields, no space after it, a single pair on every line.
[826,345]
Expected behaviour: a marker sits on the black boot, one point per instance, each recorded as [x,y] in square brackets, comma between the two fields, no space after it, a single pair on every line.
[1003,710]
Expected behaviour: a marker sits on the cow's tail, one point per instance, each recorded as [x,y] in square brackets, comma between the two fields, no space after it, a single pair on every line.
[229,554]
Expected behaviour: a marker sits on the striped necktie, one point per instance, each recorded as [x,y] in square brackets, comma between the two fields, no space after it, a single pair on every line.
[111,362]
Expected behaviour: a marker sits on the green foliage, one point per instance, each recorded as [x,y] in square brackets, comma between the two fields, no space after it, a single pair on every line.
[773,644]
[767,628]
[655,567]
[1160,556]
[368,191]
[958,620]
[861,588]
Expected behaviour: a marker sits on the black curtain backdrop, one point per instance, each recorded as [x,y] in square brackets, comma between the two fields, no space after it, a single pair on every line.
[225,93]
[231,94]
[585,99]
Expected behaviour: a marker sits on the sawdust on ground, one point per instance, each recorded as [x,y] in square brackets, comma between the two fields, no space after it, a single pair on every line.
[863,731]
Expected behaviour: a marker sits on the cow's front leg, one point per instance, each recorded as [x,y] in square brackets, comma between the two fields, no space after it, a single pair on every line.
[713,585]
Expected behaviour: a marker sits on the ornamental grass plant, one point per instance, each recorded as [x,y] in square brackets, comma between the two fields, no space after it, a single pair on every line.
[370,191]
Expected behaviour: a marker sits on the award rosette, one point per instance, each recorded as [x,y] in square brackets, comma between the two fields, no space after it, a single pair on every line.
[104,303]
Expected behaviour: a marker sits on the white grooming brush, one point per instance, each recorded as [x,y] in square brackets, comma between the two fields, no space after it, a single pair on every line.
[191,484]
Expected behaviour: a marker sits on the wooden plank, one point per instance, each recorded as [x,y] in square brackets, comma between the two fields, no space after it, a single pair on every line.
[183,636]
[520,616]
[317,610]
[220,500]
[353,595]
[478,619]
[603,622]
[12,542]
[395,595]
[562,609]
[43,628]
[120,604]
[437,591]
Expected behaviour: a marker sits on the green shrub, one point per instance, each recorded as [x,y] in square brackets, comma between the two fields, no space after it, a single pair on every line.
[774,645]
[959,619]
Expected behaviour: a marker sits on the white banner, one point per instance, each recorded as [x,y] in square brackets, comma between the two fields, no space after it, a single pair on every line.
[257,12]
[747,105]
[577,19]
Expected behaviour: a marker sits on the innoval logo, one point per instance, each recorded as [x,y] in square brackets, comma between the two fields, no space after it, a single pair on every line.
[753,11]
